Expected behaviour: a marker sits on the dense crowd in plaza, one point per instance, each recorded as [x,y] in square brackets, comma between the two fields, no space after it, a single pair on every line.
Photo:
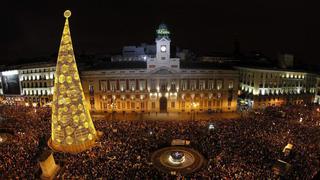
[245,148]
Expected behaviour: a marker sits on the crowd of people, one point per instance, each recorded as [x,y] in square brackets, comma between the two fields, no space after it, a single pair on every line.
[245,148]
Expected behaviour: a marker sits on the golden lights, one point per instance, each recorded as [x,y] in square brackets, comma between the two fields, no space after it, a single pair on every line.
[72,127]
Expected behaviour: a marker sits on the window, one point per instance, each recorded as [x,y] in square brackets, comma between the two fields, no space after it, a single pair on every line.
[142,85]
[132,85]
[202,84]
[163,58]
[105,105]
[113,86]
[153,105]
[123,85]
[193,84]
[219,84]
[173,85]
[173,105]
[91,90]
[103,85]
[184,84]
[153,84]
[118,104]
[230,85]
[210,84]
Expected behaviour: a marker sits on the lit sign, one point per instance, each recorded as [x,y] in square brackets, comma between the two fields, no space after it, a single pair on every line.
[163,32]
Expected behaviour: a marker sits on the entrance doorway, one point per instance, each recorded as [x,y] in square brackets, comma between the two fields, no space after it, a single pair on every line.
[163,104]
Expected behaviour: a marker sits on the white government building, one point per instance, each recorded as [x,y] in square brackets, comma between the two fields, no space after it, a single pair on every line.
[163,84]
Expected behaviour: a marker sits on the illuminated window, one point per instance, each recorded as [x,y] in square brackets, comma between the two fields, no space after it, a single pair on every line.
[210,84]
[103,85]
[113,86]
[219,84]
[230,85]
[173,85]
[123,85]
[91,90]
[173,104]
[153,84]
[202,84]
[132,85]
[142,85]
[193,84]
[184,84]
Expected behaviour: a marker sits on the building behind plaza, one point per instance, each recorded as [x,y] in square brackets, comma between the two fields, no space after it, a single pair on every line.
[149,78]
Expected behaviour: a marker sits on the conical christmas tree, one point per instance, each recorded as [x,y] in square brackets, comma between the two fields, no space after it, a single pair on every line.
[72,129]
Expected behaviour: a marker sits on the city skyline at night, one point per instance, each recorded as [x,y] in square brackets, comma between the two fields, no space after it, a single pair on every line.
[160,90]
[203,27]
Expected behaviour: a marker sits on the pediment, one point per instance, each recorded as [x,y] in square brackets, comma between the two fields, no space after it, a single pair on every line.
[162,70]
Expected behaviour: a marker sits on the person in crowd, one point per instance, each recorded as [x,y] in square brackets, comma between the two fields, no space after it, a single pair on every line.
[244,148]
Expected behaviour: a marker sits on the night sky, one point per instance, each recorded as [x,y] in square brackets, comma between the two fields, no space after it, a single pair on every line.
[34,27]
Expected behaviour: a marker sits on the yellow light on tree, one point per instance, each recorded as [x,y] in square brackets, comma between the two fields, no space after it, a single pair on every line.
[72,129]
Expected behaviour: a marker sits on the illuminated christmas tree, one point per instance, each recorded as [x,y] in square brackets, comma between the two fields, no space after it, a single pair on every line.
[72,129]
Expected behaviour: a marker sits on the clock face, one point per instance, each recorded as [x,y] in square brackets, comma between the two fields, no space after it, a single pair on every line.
[163,48]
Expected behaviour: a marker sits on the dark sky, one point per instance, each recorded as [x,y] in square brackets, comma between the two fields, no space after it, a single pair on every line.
[103,26]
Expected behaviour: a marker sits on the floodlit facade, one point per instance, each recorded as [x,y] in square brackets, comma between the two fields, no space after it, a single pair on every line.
[272,87]
[37,83]
[147,79]
[72,129]
[30,84]
[161,86]
[162,90]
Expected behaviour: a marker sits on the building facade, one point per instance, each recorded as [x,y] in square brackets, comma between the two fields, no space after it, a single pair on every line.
[162,90]
[317,93]
[162,86]
[30,84]
[160,83]
[135,53]
[271,87]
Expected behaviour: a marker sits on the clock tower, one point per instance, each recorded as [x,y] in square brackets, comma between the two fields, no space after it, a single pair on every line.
[163,43]
[162,59]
